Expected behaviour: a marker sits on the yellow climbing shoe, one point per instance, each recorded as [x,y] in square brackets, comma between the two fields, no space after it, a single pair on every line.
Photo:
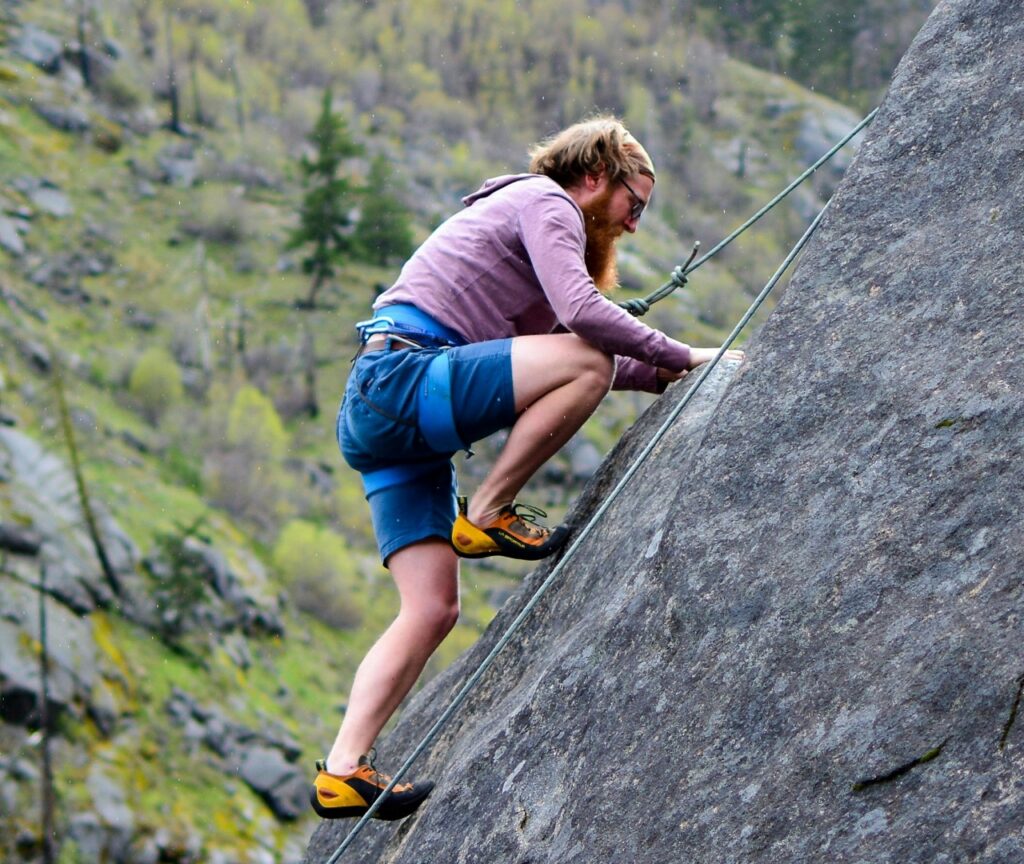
[514,533]
[336,796]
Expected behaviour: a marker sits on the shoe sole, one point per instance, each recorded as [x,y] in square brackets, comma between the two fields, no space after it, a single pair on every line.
[521,552]
[506,544]
[512,547]
[387,813]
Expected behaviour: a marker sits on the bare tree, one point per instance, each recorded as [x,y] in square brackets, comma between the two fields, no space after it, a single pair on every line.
[83,53]
[172,76]
[312,406]
[84,498]
[237,81]
[147,28]
[46,774]
[199,115]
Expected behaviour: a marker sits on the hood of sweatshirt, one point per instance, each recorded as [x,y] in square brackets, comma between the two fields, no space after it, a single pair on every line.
[496,183]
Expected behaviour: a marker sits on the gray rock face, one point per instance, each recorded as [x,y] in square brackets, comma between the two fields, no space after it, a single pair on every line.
[45,195]
[71,651]
[279,783]
[40,47]
[68,119]
[264,759]
[10,238]
[42,491]
[796,635]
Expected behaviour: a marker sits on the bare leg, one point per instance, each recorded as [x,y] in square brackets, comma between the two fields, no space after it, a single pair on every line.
[427,577]
[558,381]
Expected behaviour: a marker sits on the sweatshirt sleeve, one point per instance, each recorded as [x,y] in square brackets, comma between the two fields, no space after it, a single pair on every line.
[552,233]
[631,374]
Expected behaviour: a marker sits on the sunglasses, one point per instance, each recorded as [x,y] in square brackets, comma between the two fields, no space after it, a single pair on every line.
[639,205]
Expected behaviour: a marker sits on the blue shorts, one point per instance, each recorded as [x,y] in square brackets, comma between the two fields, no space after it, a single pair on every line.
[379,427]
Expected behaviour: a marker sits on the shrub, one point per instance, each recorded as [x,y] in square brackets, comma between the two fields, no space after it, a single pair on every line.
[316,566]
[121,90]
[180,582]
[155,383]
[242,473]
[353,513]
[246,488]
[218,217]
[255,427]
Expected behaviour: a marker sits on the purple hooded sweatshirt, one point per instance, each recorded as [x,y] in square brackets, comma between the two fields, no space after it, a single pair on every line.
[511,264]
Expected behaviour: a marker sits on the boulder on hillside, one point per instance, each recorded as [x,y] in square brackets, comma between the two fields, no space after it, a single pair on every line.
[820,127]
[10,237]
[280,784]
[41,490]
[226,600]
[45,195]
[70,649]
[19,539]
[66,118]
[100,63]
[40,47]
[177,165]
[264,758]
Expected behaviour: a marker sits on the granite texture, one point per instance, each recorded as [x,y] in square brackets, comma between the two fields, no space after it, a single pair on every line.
[796,636]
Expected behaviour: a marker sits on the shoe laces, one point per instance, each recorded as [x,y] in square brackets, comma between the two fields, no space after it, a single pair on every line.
[380,778]
[527,514]
[371,757]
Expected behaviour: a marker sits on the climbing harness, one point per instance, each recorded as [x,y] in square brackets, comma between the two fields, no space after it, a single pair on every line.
[436,412]
[410,326]
[641,305]
[587,529]
[406,323]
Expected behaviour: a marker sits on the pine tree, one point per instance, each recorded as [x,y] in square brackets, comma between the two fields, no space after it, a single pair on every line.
[324,219]
[384,230]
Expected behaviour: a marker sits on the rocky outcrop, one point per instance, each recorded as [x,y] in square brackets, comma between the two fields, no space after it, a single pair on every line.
[41,495]
[44,544]
[45,195]
[40,47]
[264,759]
[72,657]
[38,490]
[795,637]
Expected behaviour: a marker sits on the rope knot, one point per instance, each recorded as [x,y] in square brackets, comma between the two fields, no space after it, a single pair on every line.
[678,277]
[636,306]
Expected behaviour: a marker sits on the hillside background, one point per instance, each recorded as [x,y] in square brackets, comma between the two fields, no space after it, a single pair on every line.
[149,182]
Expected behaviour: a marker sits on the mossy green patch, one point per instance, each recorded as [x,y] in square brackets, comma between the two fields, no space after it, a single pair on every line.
[142,504]
[103,636]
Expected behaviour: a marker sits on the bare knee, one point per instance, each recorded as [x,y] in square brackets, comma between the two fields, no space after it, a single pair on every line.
[596,367]
[437,620]
[603,368]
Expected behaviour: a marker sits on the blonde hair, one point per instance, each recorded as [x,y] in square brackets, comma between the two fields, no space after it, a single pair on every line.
[599,144]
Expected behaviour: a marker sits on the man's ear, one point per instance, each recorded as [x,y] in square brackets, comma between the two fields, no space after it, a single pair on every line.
[593,180]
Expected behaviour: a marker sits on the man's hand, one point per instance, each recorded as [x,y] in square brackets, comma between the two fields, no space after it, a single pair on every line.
[698,357]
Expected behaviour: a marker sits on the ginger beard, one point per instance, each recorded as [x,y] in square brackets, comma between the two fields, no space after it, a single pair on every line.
[602,235]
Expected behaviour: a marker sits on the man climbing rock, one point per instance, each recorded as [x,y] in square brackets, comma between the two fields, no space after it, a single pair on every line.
[499,320]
